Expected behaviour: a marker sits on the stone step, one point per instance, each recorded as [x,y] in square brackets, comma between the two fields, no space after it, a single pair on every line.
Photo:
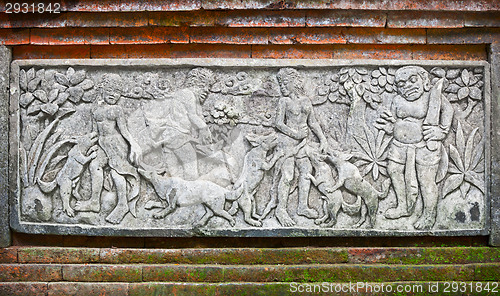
[247,273]
[252,256]
[232,288]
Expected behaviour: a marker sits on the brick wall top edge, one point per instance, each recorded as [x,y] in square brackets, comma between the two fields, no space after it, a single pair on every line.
[193,5]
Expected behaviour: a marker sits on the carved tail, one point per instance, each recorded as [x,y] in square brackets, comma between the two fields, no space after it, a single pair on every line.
[47,187]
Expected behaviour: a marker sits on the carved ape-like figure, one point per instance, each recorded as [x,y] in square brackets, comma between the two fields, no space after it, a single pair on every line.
[114,141]
[295,119]
[419,119]
[183,123]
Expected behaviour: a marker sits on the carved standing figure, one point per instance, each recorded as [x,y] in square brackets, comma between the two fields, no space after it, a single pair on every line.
[115,145]
[419,120]
[295,119]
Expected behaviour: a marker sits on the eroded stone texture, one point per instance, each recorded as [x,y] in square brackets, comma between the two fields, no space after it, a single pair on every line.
[5,57]
[254,147]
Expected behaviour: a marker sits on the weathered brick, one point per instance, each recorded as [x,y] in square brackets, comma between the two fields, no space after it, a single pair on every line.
[63,36]
[371,51]
[184,18]
[148,35]
[306,36]
[14,36]
[8,255]
[345,18]
[226,256]
[160,5]
[107,19]
[292,51]
[48,52]
[460,255]
[209,289]
[102,273]
[482,19]
[384,36]
[23,289]
[35,20]
[418,19]
[30,272]
[229,35]
[306,273]
[450,52]
[255,18]
[108,289]
[487,272]
[90,5]
[102,241]
[463,36]
[58,255]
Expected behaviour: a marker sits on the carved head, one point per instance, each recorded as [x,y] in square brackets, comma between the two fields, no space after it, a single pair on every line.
[267,142]
[291,81]
[412,82]
[111,88]
[202,79]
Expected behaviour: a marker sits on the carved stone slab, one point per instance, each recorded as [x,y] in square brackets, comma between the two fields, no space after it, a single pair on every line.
[250,147]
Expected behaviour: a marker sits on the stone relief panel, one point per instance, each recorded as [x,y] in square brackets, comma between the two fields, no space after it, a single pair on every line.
[253,147]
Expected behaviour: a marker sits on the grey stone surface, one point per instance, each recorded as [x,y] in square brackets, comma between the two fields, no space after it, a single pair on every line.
[5,57]
[495,142]
[251,147]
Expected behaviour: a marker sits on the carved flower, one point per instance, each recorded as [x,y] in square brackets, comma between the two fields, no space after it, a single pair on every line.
[74,86]
[467,168]
[373,153]
[222,113]
[464,84]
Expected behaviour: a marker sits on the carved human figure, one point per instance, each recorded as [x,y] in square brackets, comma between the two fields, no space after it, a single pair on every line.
[116,144]
[419,120]
[295,119]
[182,124]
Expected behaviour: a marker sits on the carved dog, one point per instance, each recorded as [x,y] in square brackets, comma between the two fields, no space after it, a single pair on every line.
[69,175]
[254,167]
[350,178]
[187,193]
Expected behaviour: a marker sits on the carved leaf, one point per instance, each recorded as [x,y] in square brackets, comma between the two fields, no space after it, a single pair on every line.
[323,91]
[443,165]
[375,172]
[41,95]
[30,74]
[351,71]
[40,74]
[465,77]
[60,78]
[475,93]
[464,189]
[439,72]
[453,88]
[334,87]
[362,156]
[344,77]
[367,169]
[389,88]
[333,97]
[360,163]
[343,71]
[70,72]
[357,78]
[383,70]
[23,80]
[360,89]
[463,93]
[475,179]
[390,79]
[455,156]
[452,73]
[77,77]
[460,140]
[53,94]
[33,84]
[49,108]
[26,99]
[362,71]
[451,184]
[36,150]
[75,94]
[452,97]
[383,171]
[468,150]
[362,143]
[459,82]
[477,155]
[383,146]
[61,98]
[382,81]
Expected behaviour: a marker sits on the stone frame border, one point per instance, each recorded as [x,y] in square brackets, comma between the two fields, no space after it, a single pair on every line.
[492,220]
[5,59]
